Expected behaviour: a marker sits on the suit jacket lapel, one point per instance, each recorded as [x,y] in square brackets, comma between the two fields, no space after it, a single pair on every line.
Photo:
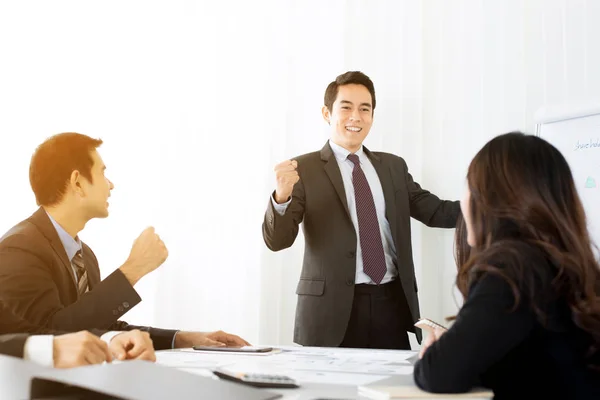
[335,176]
[41,220]
[389,192]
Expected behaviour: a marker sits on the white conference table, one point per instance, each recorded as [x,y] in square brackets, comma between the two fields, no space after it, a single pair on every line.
[322,372]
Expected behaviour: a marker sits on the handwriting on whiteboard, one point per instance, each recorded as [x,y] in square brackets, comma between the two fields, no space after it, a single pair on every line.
[588,145]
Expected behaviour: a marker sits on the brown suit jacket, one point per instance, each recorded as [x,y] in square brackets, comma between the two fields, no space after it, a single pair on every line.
[37,284]
[13,344]
[326,287]
[13,333]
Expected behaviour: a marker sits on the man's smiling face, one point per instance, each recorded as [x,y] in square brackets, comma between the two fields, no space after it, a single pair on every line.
[351,116]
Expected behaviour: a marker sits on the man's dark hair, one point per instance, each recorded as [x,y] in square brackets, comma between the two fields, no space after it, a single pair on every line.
[348,78]
[54,161]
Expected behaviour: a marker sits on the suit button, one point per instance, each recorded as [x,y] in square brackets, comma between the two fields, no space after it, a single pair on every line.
[120,308]
[349,281]
[126,304]
[351,254]
[115,312]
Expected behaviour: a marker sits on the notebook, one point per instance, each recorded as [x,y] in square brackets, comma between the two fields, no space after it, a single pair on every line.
[403,386]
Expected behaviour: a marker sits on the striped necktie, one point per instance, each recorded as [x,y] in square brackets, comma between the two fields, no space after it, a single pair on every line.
[371,244]
[82,277]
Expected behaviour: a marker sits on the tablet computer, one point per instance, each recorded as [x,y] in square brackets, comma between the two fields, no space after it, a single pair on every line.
[243,349]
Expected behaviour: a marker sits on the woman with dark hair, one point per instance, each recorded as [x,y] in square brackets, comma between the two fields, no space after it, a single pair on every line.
[530,323]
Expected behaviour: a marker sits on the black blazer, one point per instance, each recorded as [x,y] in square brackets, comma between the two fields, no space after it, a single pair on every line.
[513,352]
[326,287]
[38,285]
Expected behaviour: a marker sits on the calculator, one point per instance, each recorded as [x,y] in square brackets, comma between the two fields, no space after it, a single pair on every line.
[257,380]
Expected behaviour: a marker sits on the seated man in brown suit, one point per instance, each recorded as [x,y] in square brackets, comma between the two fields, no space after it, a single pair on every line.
[49,277]
[71,349]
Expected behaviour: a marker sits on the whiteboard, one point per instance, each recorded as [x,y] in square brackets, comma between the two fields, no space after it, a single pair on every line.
[575,132]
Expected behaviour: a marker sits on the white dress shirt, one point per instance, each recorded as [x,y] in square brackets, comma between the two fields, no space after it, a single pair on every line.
[71,245]
[40,348]
[346,168]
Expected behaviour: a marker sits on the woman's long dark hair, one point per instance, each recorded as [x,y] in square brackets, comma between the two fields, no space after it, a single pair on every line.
[523,192]
[462,250]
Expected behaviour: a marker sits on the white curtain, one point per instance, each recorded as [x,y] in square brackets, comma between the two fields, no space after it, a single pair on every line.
[198,100]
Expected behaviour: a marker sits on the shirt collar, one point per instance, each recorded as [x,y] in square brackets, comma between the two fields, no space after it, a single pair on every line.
[71,245]
[341,154]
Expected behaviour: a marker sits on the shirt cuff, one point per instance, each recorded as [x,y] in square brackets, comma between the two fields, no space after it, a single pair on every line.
[108,336]
[173,342]
[280,208]
[40,350]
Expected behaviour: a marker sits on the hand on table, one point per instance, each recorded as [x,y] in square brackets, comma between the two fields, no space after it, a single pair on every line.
[216,339]
[132,345]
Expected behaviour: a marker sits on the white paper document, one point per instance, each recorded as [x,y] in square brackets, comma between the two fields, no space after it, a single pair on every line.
[305,364]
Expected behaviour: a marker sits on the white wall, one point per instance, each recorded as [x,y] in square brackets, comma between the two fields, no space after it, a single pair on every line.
[488,67]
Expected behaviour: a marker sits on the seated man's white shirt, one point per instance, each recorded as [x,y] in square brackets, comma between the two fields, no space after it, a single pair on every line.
[40,348]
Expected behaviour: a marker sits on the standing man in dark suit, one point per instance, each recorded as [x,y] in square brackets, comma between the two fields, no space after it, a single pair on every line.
[357,286]
[50,278]
[21,339]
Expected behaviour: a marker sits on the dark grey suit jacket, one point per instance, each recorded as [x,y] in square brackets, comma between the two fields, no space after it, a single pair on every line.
[38,285]
[326,287]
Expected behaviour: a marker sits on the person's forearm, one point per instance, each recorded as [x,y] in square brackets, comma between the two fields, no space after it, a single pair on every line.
[131,272]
